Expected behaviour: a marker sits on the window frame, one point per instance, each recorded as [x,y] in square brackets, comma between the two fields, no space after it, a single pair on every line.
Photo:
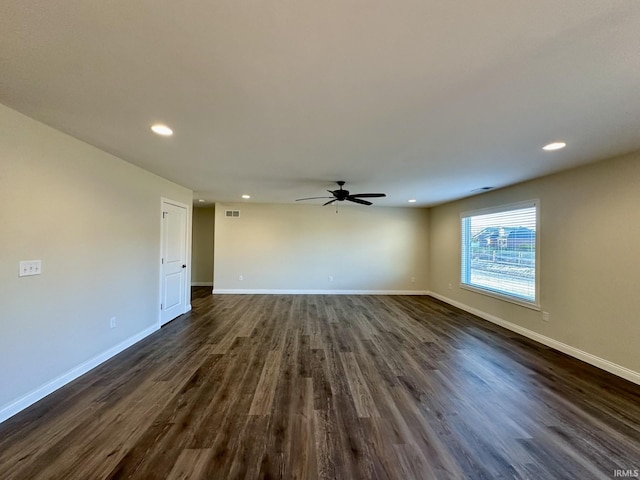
[535,304]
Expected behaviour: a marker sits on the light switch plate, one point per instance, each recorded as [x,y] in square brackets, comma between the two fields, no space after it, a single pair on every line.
[30,267]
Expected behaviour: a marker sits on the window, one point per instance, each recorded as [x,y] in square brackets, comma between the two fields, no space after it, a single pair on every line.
[499,251]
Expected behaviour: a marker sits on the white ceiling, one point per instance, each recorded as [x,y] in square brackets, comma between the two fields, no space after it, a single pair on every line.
[425,99]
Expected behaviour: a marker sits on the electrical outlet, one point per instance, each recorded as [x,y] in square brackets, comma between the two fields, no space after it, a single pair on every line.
[545,316]
[112,322]
[331,278]
[413,279]
[240,277]
[450,286]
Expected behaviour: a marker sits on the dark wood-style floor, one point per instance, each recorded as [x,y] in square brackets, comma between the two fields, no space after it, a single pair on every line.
[354,387]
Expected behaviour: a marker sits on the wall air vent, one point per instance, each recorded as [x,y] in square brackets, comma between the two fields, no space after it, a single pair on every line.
[232,213]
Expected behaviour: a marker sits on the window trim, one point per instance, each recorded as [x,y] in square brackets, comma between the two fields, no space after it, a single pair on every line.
[535,305]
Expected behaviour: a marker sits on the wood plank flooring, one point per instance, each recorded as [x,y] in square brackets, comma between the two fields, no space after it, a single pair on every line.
[329,387]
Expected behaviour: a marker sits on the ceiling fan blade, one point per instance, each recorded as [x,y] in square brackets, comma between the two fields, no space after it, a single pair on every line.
[368,195]
[357,200]
[330,201]
[310,198]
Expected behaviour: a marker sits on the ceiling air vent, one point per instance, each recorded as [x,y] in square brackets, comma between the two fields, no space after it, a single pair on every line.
[232,213]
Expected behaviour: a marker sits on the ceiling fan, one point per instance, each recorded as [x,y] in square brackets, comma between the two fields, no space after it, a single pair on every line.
[341,195]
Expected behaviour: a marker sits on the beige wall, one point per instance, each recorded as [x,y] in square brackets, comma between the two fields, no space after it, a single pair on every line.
[297,247]
[94,221]
[202,257]
[589,258]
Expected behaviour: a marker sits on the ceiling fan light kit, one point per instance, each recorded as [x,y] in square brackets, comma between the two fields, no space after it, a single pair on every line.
[340,195]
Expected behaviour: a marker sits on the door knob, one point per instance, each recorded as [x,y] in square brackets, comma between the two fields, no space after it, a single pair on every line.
[184,266]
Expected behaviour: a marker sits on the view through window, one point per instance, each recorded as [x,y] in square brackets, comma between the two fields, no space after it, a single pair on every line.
[499,251]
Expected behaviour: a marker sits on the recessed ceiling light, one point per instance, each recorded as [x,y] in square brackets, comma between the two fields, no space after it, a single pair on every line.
[161,129]
[246,196]
[554,146]
[201,200]
[413,200]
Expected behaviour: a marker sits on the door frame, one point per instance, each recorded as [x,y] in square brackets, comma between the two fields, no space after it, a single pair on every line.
[187,246]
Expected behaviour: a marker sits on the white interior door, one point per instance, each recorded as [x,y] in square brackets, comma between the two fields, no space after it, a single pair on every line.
[174,262]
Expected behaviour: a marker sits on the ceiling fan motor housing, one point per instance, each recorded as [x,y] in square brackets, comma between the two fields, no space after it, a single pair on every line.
[341,195]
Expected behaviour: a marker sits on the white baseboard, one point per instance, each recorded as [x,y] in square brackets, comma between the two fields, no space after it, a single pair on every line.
[224,291]
[202,284]
[44,390]
[587,357]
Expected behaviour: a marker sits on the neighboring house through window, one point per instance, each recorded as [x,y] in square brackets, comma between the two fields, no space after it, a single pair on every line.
[499,252]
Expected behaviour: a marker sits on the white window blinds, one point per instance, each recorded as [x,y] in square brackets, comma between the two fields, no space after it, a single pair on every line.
[499,251]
